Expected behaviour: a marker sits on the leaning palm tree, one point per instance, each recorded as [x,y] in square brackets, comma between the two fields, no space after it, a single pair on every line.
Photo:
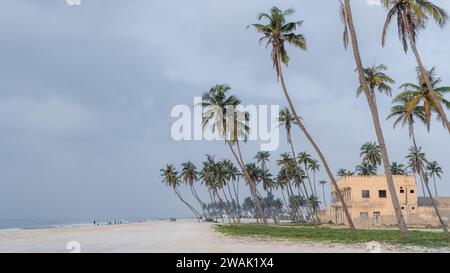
[371,153]
[398,168]
[347,18]
[277,32]
[434,170]
[377,81]
[323,183]
[306,159]
[170,178]
[407,116]
[189,175]
[419,94]
[412,16]
[366,169]
[221,115]
[417,161]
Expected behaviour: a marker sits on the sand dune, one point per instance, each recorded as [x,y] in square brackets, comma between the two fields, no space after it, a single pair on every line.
[160,236]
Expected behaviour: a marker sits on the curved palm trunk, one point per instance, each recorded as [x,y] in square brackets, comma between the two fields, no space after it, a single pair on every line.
[201,202]
[424,179]
[376,121]
[435,188]
[236,192]
[194,211]
[318,151]
[425,76]
[221,203]
[259,209]
[230,213]
[202,206]
[413,137]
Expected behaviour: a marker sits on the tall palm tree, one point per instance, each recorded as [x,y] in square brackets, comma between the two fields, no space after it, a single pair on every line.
[419,94]
[262,157]
[377,81]
[277,32]
[314,166]
[189,175]
[398,168]
[221,115]
[412,16]
[347,18]
[286,119]
[366,169]
[323,183]
[371,153]
[417,161]
[434,170]
[306,159]
[171,179]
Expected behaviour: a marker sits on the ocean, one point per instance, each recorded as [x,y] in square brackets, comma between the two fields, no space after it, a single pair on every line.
[51,223]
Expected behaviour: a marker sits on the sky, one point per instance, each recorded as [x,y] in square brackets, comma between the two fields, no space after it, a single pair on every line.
[86,94]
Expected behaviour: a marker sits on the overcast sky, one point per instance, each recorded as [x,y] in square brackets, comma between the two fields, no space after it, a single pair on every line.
[86,93]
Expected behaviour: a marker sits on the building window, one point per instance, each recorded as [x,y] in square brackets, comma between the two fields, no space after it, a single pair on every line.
[402,190]
[382,194]
[363,216]
[413,208]
[411,191]
[403,207]
[365,194]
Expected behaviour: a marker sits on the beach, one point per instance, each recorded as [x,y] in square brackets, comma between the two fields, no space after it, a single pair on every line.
[164,236]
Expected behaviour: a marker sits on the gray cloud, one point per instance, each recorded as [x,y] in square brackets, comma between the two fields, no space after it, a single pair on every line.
[86,94]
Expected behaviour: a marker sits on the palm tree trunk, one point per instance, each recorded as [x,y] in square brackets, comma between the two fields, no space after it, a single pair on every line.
[435,188]
[318,151]
[252,184]
[413,138]
[376,121]
[236,192]
[323,193]
[425,75]
[222,205]
[194,211]
[202,206]
[230,214]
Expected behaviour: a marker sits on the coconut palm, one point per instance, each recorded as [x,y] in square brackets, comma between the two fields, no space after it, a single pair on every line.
[419,94]
[412,16]
[262,157]
[314,166]
[417,162]
[371,153]
[277,32]
[306,159]
[220,114]
[286,119]
[249,206]
[398,168]
[345,173]
[189,175]
[434,170]
[377,81]
[366,169]
[350,32]
[323,183]
[171,179]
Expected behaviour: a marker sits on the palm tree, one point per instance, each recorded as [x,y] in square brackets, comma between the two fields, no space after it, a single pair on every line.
[412,16]
[347,18]
[314,166]
[262,157]
[277,32]
[417,161]
[221,115]
[171,179]
[419,94]
[323,183]
[377,80]
[434,170]
[287,120]
[189,175]
[344,173]
[306,159]
[398,169]
[371,154]
[366,169]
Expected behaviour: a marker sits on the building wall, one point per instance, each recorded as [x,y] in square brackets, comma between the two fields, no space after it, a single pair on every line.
[377,208]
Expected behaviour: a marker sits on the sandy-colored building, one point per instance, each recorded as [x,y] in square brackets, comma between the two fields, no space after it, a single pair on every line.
[370,204]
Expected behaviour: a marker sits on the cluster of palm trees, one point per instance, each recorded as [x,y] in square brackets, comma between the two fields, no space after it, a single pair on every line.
[416,163]
[417,102]
[221,180]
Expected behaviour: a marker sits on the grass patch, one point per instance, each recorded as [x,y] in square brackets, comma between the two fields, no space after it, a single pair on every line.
[336,235]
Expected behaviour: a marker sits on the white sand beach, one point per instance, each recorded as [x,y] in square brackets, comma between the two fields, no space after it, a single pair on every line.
[163,236]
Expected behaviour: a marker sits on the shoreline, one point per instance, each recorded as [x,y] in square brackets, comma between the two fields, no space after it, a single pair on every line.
[164,236]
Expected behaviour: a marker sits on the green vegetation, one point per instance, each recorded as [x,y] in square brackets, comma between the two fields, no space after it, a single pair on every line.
[335,235]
